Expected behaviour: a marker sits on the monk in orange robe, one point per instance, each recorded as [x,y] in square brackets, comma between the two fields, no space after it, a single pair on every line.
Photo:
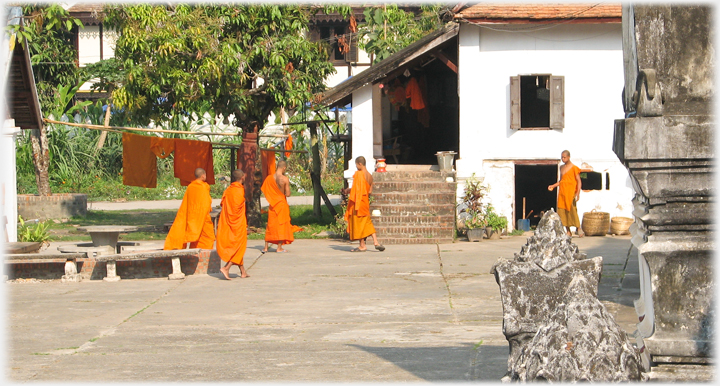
[569,194]
[360,225]
[276,189]
[193,223]
[232,226]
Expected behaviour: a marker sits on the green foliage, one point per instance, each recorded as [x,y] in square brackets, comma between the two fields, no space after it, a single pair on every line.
[388,29]
[178,57]
[494,220]
[517,232]
[37,233]
[48,30]
[472,209]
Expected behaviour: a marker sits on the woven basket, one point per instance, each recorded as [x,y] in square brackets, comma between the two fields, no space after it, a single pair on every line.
[620,225]
[596,223]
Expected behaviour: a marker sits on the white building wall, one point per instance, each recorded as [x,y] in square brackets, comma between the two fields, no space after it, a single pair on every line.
[362,128]
[590,59]
[8,180]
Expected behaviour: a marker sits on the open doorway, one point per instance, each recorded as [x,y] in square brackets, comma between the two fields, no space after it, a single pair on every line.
[531,182]
[413,135]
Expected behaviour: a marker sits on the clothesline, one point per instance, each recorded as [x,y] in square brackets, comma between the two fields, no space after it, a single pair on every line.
[115,128]
[98,127]
[283,151]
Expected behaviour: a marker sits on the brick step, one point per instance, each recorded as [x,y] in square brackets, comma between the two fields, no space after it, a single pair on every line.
[408,175]
[414,198]
[401,241]
[415,232]
[414,209]
[413,186]
[420,220]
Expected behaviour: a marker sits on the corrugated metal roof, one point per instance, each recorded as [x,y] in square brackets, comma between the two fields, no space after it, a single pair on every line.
[395,61]
[496,13]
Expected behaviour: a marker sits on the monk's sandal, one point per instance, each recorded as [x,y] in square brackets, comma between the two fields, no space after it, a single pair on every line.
[379,247]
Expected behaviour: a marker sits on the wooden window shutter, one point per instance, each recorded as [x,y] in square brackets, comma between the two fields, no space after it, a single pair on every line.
[515,102]
[352,55]
[557,102]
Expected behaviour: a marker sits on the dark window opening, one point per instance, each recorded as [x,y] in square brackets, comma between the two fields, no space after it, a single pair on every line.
[535,101]
[591,180]
[607,181]
[531,183]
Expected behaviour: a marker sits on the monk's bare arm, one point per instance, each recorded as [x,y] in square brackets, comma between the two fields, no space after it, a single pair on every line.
[578,180]
[286,185]
[369,181]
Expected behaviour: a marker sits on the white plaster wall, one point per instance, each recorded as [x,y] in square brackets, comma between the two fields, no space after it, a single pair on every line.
[8,179]
[108,43]
[89,45]
[590,59]
[341,74]
[362,128]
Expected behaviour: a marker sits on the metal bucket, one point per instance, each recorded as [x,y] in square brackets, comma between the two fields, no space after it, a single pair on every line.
[445,160]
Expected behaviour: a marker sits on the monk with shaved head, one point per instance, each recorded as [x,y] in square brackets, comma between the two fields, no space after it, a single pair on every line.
[359,224]
[568,194]
[276,189]
[193,223]
[232,226]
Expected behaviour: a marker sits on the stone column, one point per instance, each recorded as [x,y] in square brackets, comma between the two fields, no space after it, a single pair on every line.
[666,143]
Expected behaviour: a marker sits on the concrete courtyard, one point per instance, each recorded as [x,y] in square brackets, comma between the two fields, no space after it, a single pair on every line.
[319,313]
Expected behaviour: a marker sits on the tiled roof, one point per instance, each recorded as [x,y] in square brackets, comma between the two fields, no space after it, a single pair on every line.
[86,7]
[498,13]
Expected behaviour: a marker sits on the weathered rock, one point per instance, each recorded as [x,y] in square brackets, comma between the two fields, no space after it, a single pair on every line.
[533,284]
[556,327]
[581,342]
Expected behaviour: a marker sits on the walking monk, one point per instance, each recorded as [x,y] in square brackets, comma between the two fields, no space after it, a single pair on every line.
[358,211]
[276,189]
[569,194]
[192,223]
[232,226]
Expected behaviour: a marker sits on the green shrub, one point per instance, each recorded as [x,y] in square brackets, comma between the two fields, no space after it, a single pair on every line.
[37,233]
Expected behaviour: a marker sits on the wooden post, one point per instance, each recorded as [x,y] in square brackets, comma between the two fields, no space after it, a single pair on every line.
[315,148]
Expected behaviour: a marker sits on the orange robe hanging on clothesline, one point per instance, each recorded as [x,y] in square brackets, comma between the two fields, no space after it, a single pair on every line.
[414,93]
[359,224]
[279,229]
[139,162]
[162,147]
[267,163]
[190,155]
[567,208]
[288,146]
[232,225]
[193,223]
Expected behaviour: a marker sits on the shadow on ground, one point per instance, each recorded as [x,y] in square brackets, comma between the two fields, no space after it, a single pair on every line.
[466,362]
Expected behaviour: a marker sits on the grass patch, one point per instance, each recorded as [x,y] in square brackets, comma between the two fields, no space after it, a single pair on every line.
[151,223]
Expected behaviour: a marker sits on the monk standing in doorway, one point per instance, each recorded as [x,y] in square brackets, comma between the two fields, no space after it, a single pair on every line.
[569,194]
[193,223]
[360,225]
[276,189]
[232,226]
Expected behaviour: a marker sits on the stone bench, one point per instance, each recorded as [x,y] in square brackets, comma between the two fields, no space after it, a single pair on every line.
[111,261]
[71,271]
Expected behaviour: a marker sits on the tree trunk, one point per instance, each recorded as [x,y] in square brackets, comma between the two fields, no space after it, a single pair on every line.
[252,183]
[317,210]
[103,134]
[41,160]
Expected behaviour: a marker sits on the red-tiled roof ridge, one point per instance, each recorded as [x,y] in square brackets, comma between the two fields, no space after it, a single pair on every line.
[536,12]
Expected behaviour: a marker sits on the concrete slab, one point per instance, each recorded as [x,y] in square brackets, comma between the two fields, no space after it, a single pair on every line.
[318,313]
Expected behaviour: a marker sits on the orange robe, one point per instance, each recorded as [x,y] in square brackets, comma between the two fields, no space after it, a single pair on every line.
[358,211]
[139,162]
[189,155]
[193,223]
[279,229]
[567,209]
[162,147]
[288,145]
[232,225]
[267,160]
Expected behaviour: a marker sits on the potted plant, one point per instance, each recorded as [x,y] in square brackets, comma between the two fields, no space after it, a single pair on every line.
[495,222]
[475,224]
[471,211]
